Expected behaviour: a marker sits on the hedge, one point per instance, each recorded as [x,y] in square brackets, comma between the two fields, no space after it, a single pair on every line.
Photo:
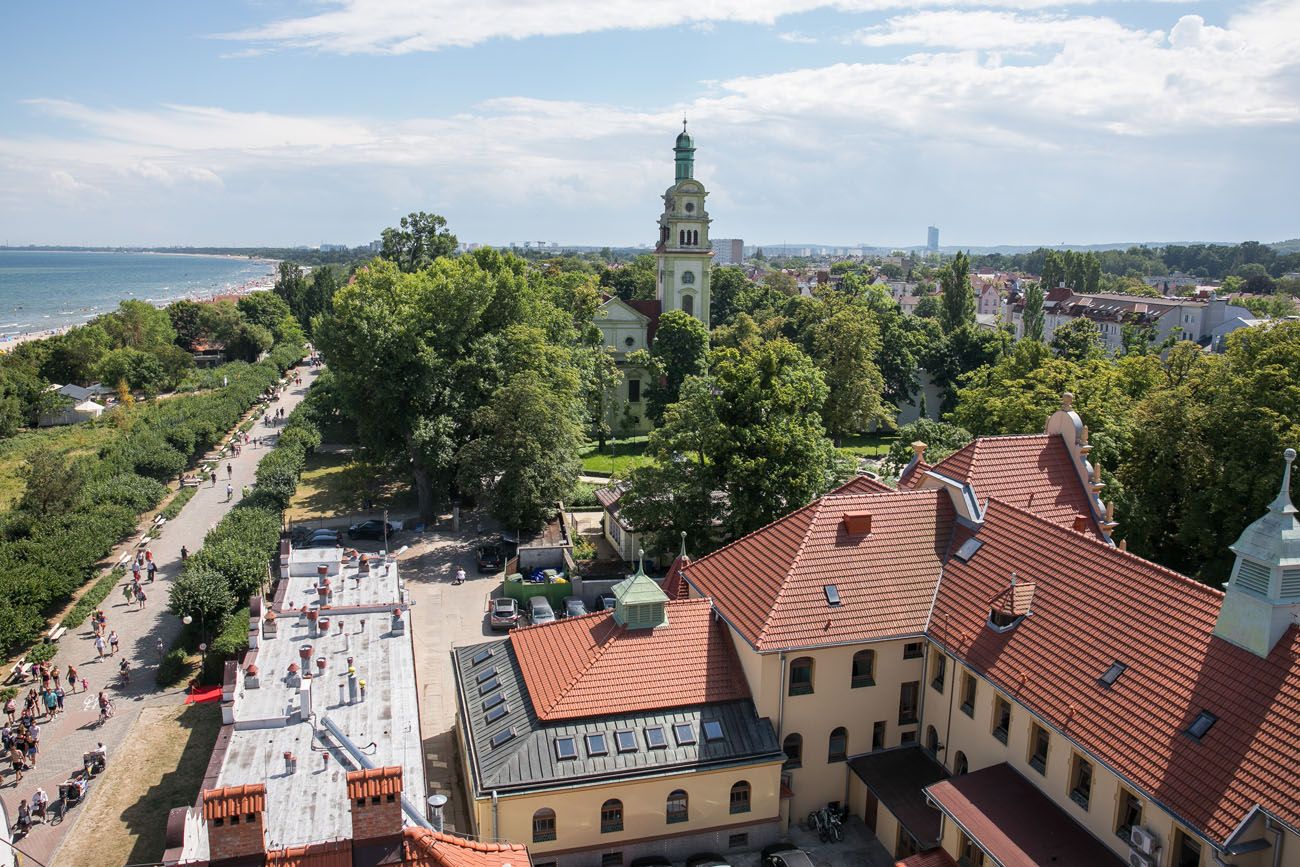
[173,509]
[87,604]
[174,668]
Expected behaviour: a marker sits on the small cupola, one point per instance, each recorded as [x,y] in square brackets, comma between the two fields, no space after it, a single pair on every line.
[1011,606]
[1262,598]
[639,602]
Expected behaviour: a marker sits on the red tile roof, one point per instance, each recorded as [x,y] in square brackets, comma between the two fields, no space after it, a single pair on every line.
[335,853]
[1094,605]
[1016,823]
[770,585]
[590,665]
[424,848]
[862,485]
[234,801]
[375,782]
[929,858]
[913,474]
[651,310]
[674,585]
[1035,473]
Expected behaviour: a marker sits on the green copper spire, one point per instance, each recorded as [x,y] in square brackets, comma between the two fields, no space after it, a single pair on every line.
[685,150]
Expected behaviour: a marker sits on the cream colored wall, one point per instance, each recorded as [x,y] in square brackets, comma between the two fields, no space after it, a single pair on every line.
[577,809]
[832,704]
[974,737]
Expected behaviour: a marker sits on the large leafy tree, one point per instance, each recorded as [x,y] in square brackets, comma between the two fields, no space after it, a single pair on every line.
[1033,313]
[1078,340]
[138,325]
[679,351]
[958,296]
[634,281]
[417,242]
[726,284]
[844,346]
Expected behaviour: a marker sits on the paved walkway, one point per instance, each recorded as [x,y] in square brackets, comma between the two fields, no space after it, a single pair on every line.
[76,731]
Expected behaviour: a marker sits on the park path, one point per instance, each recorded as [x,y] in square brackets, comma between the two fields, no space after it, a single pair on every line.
[76,731]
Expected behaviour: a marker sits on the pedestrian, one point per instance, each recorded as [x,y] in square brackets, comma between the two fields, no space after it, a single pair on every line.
[153,571]
[85,685]
[230,470]
[99,645]
[58,696]
[140,597]
[243,492]
[185,553]
[16,759]
[230,491]
[214,478]
[139,558]
[161,648]
[51,704]
[128,589]
[55,674]
[112,643]
[40,801]
[11,708]
[31,752]
[460,576]
[148,556]
[24,813]
[72,678]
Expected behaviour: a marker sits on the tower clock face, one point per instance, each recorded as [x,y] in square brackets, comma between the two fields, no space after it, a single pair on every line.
[690,206]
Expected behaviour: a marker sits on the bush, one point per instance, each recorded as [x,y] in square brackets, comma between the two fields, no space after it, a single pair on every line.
[125,489]
[583,494]
[174,668]
[87,604]
[229,643]
[941,439]
[172,509]
[202,593]
[42,653]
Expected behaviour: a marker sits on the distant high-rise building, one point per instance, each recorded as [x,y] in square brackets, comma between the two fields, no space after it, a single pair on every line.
[932,239]
[728,251]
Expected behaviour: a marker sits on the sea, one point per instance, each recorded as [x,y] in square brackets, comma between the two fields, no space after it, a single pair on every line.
[48,291]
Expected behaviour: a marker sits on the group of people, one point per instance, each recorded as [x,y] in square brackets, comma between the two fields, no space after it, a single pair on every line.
[22,744]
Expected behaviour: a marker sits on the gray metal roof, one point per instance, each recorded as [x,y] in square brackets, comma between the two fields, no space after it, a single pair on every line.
[529,759]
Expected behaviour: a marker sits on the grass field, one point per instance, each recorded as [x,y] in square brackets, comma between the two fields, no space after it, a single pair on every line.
[872,445]
[71,440]
[627,454]
[160,765]
[335,484]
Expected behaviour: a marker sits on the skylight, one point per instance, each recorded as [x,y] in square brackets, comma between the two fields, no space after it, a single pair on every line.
[1112,674]
[566,748]
[596,745]
[655,738]
[626,741]
[497,712]
[832,595]
[968,549]
[486,673]
[492,702]
[485,688]
[481,656]
[503,737]
[1201,726]
[712,730]
[685,734]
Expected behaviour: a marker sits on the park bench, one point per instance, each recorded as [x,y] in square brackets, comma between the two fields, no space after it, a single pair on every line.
[55,634]
[16,673]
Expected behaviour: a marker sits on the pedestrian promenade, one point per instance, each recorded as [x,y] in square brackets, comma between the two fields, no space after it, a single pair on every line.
[77,730]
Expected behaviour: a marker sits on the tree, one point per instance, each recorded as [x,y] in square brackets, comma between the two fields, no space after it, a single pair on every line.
[1053,271]
[419,241]
[187,318]
[844,347]
[725,286]
[634,281]
[203,593]
[929,307]
[138,325]
[74,356]
[139,370]
[681,344]
[1091,273]
[265,309]
[51,483]
[958,296]
[1033,314]
[941,440]
[1078,340]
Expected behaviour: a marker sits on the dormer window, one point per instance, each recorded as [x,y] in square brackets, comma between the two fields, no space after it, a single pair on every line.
[1201,726]
[1011,606]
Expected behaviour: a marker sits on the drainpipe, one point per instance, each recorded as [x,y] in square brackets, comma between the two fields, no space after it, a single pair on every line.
[780,708]
[1277,841]
[495,812]
[952,686]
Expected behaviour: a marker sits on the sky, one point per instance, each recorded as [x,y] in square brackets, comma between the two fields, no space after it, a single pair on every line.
[278,122]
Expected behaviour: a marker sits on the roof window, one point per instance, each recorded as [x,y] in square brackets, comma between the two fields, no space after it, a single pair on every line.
[625,741]
[712,730]
[497,712]
[832,595]
[481,656]
[685,734]
[968,548]
[486,673]
[504,737]
[566,748]
[1201,726]
[655,738]
[1112,674]
[492,702]
[485,688]
[596,745]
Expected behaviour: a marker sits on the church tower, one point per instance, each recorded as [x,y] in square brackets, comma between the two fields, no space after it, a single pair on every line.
[684,251]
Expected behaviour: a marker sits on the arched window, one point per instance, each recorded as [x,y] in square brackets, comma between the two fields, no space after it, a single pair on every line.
[695,237]
[740,797]
[801,676]
[677,807]
[688,305]
[864,669]
[544,825]
[959,764]
[838,749]
[611,816]
[793,747]
[681,237]
[931,740]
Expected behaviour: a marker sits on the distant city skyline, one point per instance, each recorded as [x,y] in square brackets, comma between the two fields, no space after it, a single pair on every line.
[291,122]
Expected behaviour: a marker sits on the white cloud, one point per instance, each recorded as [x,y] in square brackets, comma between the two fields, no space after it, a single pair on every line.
[989,30]
[797,38]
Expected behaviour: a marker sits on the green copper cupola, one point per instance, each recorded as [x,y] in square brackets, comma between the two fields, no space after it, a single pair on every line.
[639,602]
[685,150]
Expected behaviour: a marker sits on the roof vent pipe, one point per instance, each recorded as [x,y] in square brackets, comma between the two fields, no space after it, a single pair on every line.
[363,762]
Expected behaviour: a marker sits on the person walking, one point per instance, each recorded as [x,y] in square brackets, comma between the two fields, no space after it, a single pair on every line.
[161,648]
[40,801]
[112,643]
[128,589]
[230,470]
[185,553]
[58,696]
[54,673]
[140,597]
[230,491]
[99,645]
[135,571]
[51,704]
[18,763]
[214,478]
[85,685]
[11,709]
[72,678]
[105,707]
[153,571]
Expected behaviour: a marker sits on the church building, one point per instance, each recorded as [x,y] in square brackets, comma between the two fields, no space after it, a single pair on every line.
[684,254]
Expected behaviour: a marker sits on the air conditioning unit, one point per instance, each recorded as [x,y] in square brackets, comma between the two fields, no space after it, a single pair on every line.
[1142,839]
[1140,859]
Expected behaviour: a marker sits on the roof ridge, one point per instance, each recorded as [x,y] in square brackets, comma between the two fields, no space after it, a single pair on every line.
[734,542]
[820,503]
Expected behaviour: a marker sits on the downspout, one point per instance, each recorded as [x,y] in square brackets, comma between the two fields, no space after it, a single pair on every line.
[780,708]
[952,695]
[496,808]
[1277,841]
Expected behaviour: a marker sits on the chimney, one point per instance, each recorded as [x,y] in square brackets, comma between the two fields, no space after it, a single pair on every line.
[918,449]
[375,797]
[234,818]
[1080,523]
[857,523]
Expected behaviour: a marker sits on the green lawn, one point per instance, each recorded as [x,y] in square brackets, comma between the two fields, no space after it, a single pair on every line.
[334,484]
[872,445]
[617,458]
[72,440]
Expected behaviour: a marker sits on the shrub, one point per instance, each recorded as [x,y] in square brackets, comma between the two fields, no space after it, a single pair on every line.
[125,489]
[42,653]
[229,643]
[174,668]
[172,509]
[91,600]
[202,593]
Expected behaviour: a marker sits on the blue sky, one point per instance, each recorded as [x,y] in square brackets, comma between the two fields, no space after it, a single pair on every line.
[833,121]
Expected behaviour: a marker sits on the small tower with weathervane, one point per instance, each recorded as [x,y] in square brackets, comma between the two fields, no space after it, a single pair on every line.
[683,251]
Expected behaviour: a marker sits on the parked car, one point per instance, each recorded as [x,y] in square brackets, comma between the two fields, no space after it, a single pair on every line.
[372,529]
[785,855]
[707,859]
[574,606]
[322,538]
[539,610]
[606,601]
[504,613]
[651,861]
[490,558]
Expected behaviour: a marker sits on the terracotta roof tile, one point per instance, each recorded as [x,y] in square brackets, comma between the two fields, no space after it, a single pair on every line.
[1015,822]
[1035,473]
[675,586]
[651,310]
[862,485]
[425,848]
[771,584]
[929,858]
[1094,605]
[374,782]
[590,665]
[234,801]
[335,853]
[913,475]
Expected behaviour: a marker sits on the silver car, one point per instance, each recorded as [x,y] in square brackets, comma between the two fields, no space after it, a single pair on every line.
[539,610]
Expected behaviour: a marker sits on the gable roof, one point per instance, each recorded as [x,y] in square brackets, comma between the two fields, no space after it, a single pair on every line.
[590,665]
[1035,473]
[425,848]
[234,801]
[1094,605]
[770,585]
[675,586]
[650,310]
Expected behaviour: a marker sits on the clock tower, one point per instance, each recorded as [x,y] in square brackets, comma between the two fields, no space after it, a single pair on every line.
[684,252]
